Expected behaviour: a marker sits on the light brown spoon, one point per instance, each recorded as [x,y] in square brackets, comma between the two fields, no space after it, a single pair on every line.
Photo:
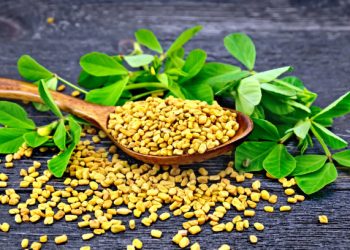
[98,115]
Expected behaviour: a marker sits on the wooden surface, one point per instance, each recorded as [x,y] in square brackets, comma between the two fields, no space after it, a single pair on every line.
[312,36]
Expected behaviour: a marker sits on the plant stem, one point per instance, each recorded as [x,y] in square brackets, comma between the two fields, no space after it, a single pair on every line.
[323,144]
[285,137]
[145,85]
[135,97]
[72,85]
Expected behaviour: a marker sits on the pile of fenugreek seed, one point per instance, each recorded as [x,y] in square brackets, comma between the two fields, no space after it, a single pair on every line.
[100,189]
[171,126]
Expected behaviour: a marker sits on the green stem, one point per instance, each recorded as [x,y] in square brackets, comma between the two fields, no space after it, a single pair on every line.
[135,97]
[145,85]
[285,137]
[72,85]
[323,144]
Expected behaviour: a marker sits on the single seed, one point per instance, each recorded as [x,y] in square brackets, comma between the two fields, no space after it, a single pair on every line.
[224,247]
[5,227]
[194,229]
[289,191]
[249,213]
[43,238]
[24,243]
[253,239]
[195,246]
[85,248]
[87,236]
[156,233]
[164,216]
[285,208]
[35,245]
[268,209]
[259,226]
[61,239]
[137,243]
[184,242]
[323,219]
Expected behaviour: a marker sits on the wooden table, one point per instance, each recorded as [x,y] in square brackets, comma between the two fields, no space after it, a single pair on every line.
[312,36]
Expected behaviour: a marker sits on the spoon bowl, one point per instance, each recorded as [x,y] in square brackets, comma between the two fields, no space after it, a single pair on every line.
[98,115]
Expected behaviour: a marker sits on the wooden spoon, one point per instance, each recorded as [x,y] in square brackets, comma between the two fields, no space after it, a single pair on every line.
[98,115]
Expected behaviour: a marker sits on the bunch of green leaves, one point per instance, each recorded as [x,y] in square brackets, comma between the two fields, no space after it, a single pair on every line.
[18,129]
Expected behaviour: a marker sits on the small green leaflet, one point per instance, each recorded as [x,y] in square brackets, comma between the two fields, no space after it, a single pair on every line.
[275,105]
[198,91]
[59,137]
[339,107]
[193,64]
[90,82]
[137,61]
[75,129]
[301,129]
[343,158]
[306,164]
[242,48]
[279,162]
[183,38]
[58,164]
[48,100]
[31,70]
[278,90]
[264,130]
[34,140]
[315,181]
[331,139]
[51,84]
[100,64]
[11,139]
[147,38]
[108,95]
[249,156]
[270,75]
[14,116]
[212,69]
[225,81]
[295,81]
[248,95]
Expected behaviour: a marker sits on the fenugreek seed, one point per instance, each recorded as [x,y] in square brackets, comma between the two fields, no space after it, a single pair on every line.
[219,227]
[273,199]
[75,93]
[177,237]
[289,191]
[61,88]
[253,239]
[268,209]
[3,184]
[85,248]
[259,226]
[71,217]
[61,239]
[164,216]
[137,243]
[229,226]
[194,229]
[132,224]
[123,211]
[265,195]
[24,243]
[43,238]
[117,228]
[5,227]
[130,247]
[35,245]
[285,208]
[249,213]
[299,197]
[87,236]
[156,233]
[292,200]
[256,185]
[323,219]
[203,171]
[195,246]
[184,242]
[224,247]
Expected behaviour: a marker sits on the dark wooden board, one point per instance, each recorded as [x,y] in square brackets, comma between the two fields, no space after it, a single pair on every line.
[312,36]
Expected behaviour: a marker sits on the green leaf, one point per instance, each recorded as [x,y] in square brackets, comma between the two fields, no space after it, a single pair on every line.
[148,39]
[58,164]
[31,70]
[137,61]
[264,130]
[339,107]
[343,158]
[59,137]
[315,181]
[295,81]
[242,48]
[91,82]
[163,78]
[75,129]
[214,69]
[327,122]
[51,84]
[183,38]
[279,90]
[198,91]
[225,81]
[298,105]
[108,95]
[331,139]
[14,116]
[193,64]
[275,105]
[11,139]
[48,100]
[301,129]
[249,156]
[34,140]
[175,89]
[100,64]
[306,164]
[270,75]
[248,95]
[279,162]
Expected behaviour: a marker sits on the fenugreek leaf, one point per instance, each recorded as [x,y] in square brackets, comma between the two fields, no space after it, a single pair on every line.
[91,82]
[343,158]
[58,164]
[270,75]
[137,61]
[306,164]
[31,70]
[34,140]
[301,129]
[183,38]
[331,139]
[249,156]
[14,116]
[11,139]
[248,95]
[278,90]
[47,98]
[279,162]
[198,91]
[315,181]
[264,130]
[75,129]
[339,107]
[51,84]
[193,64]
[148,39]
[60,135]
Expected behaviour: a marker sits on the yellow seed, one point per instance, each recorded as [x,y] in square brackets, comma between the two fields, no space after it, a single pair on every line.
[219,227]
[265,195]
[224,247]
[273,199]
[177,238]
[256,185]
[184,242]
[132,224]
[292,200]
[195,246]
[3,184]
[117,228]
[253,239]
[130,247]
[24,243]
[203,171]
[137,243]
[249,213]
[194,229]
[156,233]
[259,226]
[268,209]
[61,239]
[70,217]
[229,226]
[75,93]
[323,219]
[85,248]
[123,211]
[5,227]
[255,197]
[289,191]
[43,238]
[87,236]
[164,216]
[146,221]
[285,208]
[299,197]
[35,245]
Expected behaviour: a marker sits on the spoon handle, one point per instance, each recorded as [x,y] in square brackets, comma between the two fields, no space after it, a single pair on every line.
[18,90]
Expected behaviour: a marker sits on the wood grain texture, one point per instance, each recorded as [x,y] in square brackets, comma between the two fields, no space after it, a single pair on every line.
[312,36]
